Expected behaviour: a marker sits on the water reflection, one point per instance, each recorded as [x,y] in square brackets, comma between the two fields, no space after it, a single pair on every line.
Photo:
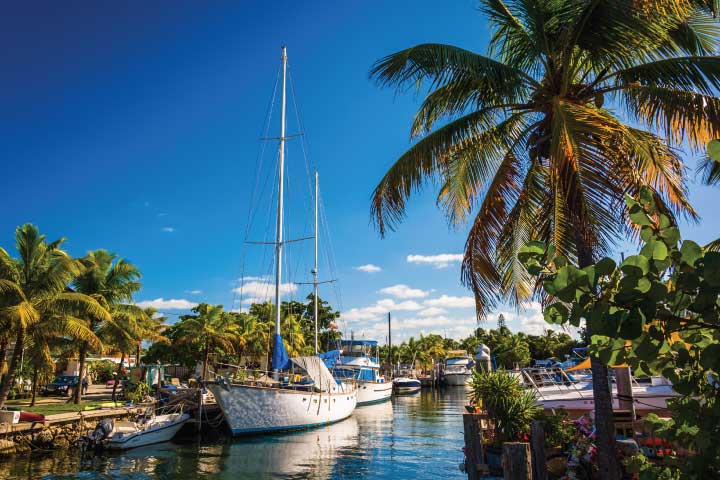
[418,436]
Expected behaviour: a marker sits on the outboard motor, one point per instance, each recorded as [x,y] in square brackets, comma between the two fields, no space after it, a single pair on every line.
[95,438]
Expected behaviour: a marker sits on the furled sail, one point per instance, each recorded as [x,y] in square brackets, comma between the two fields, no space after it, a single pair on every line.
[316,369]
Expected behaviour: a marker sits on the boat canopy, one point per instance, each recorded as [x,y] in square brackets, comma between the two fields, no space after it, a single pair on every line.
[370,343]
[316,369]
[330,358]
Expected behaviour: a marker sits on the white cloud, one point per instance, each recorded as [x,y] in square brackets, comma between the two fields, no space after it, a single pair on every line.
[432,311]
[168,229]
[194,292]
[446,301]
[380,309]
[442,260]
[170,304]
[368,268]
[262,278]
[530,320]
[261,291]
[403,291]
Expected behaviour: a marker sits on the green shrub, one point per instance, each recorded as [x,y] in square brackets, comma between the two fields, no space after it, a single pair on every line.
[102,370]
[510,406]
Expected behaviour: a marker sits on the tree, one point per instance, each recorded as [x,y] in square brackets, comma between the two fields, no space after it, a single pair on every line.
[529,145]
[657,311]
[501,322]
[210,330]
[410,350]
[151,325]
[111,281]
[34,287]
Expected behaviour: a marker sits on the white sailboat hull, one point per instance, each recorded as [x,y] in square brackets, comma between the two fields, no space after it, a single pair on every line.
[369,393]
[455,379]
[249,409]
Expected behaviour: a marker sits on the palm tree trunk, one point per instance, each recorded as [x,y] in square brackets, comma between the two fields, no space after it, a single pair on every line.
[206,356]
[3,356]
[117,377]
[607,458]
[77,393]
[10,377]
[34,386]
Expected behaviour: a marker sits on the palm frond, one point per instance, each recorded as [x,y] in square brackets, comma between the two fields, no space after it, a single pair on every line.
[709,171]
[446,64]
[422,162]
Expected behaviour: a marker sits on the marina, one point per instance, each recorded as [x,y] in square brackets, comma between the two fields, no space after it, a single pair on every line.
[418,436]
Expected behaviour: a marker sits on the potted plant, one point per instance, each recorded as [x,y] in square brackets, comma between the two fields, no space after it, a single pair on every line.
[510,407]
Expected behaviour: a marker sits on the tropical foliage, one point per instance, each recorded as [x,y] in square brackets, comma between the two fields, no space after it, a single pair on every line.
[576,104]
[657,311]
[508,403]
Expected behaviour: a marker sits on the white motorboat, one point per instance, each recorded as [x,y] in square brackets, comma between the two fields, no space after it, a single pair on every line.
[155,429]
[406,385]
[282,399]
[357,362]
[556,389]
[457,368]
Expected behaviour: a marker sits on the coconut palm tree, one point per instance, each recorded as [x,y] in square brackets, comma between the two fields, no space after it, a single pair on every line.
[112,281]
[410,350]
[294,335]
[211,331]
[528,146]
[152,325]
[50,335]
[34,288]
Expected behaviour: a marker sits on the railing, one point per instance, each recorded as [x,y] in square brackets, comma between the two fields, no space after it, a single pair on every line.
[547,377]
[288,380]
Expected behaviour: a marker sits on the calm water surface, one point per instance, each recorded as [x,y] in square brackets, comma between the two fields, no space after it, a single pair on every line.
[418,437]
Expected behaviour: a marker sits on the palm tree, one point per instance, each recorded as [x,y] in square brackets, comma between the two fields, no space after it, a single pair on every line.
[529,147]
[294,335]
[51,334]
[152,325]
[211,330]
[34,288]
[112,281]
[410,350]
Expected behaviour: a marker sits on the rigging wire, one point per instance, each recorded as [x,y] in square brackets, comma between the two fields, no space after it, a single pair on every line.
[251,205]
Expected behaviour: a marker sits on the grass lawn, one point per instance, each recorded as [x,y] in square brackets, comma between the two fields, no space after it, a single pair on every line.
[55,408]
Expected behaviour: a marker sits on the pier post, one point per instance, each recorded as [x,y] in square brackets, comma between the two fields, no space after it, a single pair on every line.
[516,461]
[537,447]
[474,458]
[623,382]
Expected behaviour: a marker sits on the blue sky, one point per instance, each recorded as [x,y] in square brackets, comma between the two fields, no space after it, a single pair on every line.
[134,126]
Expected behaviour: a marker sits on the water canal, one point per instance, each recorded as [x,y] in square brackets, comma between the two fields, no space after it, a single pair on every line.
[414,437]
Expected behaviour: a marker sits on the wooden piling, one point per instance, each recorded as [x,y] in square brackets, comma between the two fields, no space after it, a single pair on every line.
[623,382]
[537,448]
[474,458]
[516,461]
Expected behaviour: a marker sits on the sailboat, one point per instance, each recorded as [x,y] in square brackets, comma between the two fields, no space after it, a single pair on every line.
[284,400]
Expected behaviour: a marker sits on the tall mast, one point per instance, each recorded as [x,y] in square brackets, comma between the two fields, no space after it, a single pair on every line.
[315,270]
[281,181]
[390,346]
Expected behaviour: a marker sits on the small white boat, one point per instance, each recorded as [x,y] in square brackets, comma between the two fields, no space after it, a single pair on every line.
[357,363]
[406,385]
[156,429]
[457,368]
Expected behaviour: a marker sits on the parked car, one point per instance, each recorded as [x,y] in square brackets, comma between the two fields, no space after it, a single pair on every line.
[64,385]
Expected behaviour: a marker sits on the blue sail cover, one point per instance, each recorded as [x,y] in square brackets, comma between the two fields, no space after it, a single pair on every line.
[280,359]
[330,358]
